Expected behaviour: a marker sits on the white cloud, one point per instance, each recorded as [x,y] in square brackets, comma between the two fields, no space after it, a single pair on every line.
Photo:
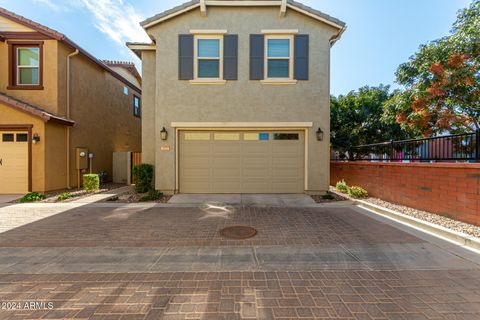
[117,19]
[50,4]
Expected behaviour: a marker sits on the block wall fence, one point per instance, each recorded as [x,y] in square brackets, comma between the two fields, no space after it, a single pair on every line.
[451,190]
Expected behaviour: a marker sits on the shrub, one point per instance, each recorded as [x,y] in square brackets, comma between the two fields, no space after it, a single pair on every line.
[357,192]
[32,197]
[328,197]
[91,182]
[143,177]
[64,196]
[342,186]
[153,195]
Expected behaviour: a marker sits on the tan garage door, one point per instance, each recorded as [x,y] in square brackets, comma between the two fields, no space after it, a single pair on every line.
[241,162]
[13,162]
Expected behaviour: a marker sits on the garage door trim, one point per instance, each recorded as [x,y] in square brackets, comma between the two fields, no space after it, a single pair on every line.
[271,127]
[28,128]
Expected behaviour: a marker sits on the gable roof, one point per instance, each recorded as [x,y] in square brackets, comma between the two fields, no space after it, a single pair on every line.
[193,4]
[127,65]
[63,38]
[33,110]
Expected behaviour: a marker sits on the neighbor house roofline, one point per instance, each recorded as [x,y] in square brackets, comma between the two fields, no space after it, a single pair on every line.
[282,4]
[127,65]
[33,110]
[61,37]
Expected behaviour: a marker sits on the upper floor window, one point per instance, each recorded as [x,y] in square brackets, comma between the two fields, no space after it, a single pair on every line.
[279,57]
[26,65]
[209,57]
[136,106]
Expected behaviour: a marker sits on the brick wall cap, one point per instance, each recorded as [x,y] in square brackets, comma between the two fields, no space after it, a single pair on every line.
[413,164]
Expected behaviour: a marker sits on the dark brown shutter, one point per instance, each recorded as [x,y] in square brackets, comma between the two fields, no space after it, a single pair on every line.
[230,57]
[185,57]
[301,57]
[257,56]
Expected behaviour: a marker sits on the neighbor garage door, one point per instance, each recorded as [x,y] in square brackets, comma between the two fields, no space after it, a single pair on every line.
[13,162]
[241,161]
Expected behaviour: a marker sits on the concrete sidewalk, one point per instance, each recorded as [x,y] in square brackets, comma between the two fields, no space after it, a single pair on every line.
[7,198]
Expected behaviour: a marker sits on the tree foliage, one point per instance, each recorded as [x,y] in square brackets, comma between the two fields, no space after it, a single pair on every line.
[442,82]
[356,119]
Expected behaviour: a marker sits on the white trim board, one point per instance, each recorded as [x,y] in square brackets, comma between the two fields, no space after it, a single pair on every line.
[237,125]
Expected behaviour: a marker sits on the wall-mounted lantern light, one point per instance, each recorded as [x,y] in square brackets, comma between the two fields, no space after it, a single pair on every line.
[164,134]
[36,138]
[320,134]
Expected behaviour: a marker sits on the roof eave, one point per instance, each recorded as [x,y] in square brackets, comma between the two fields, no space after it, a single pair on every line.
[34,111]
[186,7]
[137,48]
[61,37]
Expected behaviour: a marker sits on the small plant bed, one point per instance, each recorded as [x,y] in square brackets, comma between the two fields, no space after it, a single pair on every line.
[328,198]
[66,196]
[439,220]
[134,197]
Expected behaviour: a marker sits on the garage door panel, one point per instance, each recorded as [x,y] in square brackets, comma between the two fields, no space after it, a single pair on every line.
[234,162]
[226,173]
[14,164]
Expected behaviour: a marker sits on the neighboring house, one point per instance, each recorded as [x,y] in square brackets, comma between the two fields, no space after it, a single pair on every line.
[236,97]
[54,98]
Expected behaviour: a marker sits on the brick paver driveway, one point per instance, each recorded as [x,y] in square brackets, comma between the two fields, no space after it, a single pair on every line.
[126,262]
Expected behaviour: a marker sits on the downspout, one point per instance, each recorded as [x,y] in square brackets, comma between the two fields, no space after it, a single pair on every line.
[68,114]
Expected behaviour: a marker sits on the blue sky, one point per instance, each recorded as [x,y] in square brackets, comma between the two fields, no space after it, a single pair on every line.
[381,33]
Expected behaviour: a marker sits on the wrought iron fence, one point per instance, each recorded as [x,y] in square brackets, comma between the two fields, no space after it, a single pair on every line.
[453,148]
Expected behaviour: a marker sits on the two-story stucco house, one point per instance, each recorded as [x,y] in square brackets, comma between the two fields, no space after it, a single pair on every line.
[236,97]
[54,99]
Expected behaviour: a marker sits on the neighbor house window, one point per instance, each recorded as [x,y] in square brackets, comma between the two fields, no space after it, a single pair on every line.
[26,65]
[278,55]
[208,57]
[136,106]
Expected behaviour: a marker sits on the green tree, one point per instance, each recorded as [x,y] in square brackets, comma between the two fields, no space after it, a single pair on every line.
[356,119]
[442,82]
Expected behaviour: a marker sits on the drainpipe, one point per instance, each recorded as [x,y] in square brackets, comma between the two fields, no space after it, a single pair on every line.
[68,114]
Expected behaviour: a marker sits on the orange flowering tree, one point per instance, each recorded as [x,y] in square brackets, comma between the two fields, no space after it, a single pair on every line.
[442,82]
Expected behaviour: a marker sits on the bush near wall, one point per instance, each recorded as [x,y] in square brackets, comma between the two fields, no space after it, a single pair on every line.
[448,189]
[143,178]
[91,182]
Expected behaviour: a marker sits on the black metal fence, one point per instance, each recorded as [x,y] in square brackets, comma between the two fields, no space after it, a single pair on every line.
[453,148]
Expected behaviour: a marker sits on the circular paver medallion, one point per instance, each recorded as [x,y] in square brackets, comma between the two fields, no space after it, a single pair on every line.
[238,232]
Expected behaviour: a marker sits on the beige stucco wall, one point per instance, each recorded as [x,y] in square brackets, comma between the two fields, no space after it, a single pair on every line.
[46,98]
[9,116]
[55,143]
[237,101]
[148,107]
[103,115]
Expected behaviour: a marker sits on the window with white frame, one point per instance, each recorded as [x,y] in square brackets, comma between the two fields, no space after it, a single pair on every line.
[28,66]
[208,57]
[279,56]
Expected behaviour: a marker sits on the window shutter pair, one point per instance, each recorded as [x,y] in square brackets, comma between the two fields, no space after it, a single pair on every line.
[257,57]
[186,57]
[230,59]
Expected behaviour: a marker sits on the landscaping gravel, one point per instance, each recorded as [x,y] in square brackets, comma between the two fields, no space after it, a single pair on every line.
[451,224]
[133,197]
[76,194]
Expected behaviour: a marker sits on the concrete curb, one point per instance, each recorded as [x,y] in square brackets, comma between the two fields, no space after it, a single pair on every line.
[455,236]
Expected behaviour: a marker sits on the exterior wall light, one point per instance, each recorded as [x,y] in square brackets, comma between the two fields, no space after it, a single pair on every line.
[35,138]
[320,134]
[164,134]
